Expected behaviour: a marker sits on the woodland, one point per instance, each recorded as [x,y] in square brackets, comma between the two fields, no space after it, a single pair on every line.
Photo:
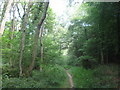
[38,49]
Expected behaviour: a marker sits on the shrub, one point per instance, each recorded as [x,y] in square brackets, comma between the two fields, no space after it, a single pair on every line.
[103,76]
[87,62]
[72,60]
[55,75]
[9,71]
[51,76]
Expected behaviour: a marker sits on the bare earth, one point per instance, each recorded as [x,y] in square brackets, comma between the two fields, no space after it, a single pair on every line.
[70,79]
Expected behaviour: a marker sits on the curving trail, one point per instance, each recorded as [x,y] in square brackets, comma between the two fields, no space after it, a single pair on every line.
[70,79]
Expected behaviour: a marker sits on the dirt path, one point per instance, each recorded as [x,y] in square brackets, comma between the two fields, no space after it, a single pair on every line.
[70,79]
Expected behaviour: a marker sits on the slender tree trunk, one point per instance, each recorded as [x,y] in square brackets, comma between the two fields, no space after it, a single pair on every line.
[0,63]
[25,19]
[102,50]
[102,57]
[2,27]
[86,34]
[3,10]
[12,32]
[118,34]
[41,48]
[101,47]
[107,57]
[37,36]
[60,48]
[1,55]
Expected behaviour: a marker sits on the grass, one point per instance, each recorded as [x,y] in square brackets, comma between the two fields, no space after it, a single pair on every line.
[66,83]
[104,76]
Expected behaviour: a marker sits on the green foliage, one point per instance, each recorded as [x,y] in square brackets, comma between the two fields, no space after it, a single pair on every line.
[104,76]
[92,35]
[91,48]
[82,78]
[52,55]
[91,32]
[52,76]
[21,83]
[10,72]
[56,75]
[72,60]
[87,62]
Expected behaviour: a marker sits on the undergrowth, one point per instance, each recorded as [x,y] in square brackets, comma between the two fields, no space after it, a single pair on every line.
[50,77]
[103,76]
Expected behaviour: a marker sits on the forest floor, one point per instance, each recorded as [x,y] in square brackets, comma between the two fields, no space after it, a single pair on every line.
[103,76]
[68,83]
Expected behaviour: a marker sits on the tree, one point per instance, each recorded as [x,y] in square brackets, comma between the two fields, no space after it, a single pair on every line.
[24,25]
[12,30]
[100,40]
[5,17]
[37,36]
[41,46]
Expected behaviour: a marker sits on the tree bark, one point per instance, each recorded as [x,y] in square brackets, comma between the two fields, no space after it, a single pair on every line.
[3,10]
[12,32]
[118,34]
[41,48]
[102,57]
[24,24]
[2,27]
[101,46]
[37,36]
[86,34]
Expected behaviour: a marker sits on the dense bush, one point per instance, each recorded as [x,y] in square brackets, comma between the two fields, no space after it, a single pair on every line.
[8,71]
[72,60]
[87,62]
[107,76]
[51,76]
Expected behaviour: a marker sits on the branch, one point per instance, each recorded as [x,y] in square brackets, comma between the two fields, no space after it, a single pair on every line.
[18,11]
[23,7]
[44,15]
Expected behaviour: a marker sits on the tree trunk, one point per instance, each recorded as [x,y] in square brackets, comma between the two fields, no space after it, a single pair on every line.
[12,32]
[1,54]
[101,46]
[3,10]
[102,57]
[41,48]
[118,35]
[2,27]
[25,19]
[86,34]
[37,36]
